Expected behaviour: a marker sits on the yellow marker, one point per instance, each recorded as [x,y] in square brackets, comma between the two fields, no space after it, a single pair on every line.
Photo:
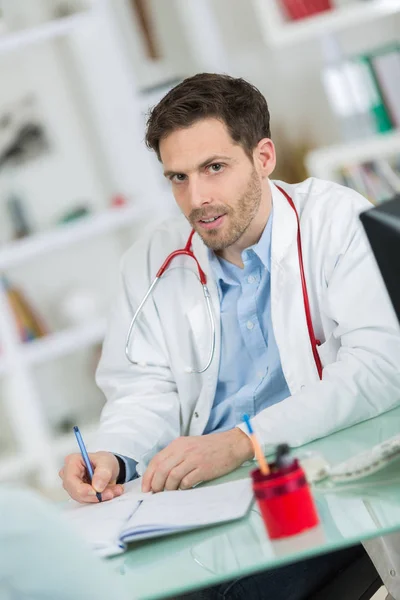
[262,463]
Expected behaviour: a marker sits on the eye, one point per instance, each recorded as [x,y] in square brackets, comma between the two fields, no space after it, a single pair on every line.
[178,177]
[216,167]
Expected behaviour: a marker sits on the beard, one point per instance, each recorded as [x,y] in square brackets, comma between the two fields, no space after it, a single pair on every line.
[239,217]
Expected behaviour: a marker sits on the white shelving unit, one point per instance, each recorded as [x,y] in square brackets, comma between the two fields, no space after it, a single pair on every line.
[279,32]
[324,162]
[38,450]
[47,31]
[19,251]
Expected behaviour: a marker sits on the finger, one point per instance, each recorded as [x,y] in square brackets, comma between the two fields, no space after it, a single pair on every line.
[151,468]
[79,491]
[73,474]
[112,491]
[102,477]
[84,493]
[147,478]
[177,474]
[163,471]
[191,479]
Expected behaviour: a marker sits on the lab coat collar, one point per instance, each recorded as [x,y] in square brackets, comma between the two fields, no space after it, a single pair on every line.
[284,228]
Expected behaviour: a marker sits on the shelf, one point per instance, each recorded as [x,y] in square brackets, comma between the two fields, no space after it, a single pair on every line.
[19,251]
[62,343]
[17,40]
[324,161]
[278,32]
[56,345]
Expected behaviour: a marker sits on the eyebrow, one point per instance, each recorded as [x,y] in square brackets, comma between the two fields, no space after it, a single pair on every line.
[211,159]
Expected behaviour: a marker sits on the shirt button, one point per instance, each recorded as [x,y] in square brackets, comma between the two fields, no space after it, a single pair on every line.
[250,324]
[251,279]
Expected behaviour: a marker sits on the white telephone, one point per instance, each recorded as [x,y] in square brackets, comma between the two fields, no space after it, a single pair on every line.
[355,468]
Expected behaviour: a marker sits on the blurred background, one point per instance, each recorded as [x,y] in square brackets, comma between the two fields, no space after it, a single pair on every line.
[77,184]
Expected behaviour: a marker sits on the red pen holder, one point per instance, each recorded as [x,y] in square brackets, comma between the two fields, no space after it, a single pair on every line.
[285,500]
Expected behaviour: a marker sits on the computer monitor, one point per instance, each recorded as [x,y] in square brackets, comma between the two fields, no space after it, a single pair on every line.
[382,226]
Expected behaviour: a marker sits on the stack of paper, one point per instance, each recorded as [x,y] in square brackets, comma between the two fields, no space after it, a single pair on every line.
[109,526]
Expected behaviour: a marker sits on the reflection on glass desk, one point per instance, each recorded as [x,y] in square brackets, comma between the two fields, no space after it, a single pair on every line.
[189,561]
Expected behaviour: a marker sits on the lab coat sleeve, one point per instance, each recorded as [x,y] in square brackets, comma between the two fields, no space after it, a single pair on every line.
[364,379]
[142,412]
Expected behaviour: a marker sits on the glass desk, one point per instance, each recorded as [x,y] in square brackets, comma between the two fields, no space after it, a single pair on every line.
[185,562]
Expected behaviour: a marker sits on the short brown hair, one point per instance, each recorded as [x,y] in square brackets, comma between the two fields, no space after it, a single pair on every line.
[235,102]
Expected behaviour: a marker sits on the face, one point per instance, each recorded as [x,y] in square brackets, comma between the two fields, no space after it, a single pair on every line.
[214,182]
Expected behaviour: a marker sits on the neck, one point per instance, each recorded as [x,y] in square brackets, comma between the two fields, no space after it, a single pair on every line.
[253,233]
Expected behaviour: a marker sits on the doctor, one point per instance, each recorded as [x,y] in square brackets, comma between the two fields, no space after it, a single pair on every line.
[178,426]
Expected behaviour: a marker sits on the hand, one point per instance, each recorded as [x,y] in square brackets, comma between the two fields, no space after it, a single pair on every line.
[189,460]
[76,483]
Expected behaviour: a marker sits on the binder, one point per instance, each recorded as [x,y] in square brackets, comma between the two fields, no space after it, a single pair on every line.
[386,66]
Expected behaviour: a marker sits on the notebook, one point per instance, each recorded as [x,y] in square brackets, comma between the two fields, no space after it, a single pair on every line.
[109,526]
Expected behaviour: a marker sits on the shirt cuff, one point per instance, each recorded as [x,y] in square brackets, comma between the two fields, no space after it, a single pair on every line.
[130,467]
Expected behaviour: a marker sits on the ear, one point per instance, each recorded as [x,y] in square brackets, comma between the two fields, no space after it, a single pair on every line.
[265,157]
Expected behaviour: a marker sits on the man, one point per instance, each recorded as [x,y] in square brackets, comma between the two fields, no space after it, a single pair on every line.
[165,420]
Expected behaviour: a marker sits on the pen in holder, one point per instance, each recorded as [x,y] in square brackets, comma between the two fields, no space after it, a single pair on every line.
[284,497]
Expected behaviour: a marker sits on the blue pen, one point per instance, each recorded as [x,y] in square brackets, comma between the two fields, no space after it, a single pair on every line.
[85,457]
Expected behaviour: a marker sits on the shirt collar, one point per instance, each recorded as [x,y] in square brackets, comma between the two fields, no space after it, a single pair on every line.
[263,247]
[262,250]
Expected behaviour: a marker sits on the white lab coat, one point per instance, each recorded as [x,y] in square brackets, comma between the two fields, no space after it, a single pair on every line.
[149,406]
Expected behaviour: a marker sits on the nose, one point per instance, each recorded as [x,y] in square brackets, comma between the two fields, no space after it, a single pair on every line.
[197,193]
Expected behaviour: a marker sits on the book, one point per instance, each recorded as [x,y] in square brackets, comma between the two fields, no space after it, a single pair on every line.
[30,326]
[108,527]
[386,65]
[372,92]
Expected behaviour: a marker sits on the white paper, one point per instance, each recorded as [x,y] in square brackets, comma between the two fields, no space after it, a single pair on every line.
[100,524]
[188,509]
[107,526]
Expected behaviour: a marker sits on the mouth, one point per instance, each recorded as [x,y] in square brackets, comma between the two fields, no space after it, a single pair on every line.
[211,222]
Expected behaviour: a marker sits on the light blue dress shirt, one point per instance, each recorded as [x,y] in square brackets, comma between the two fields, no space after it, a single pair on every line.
[250,373]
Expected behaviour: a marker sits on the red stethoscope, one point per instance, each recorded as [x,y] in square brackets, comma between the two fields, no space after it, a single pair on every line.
[187,251]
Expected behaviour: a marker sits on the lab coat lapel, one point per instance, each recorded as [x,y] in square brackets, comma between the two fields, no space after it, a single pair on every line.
[287,302]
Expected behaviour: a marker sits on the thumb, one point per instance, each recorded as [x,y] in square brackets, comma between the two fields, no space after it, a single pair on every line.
[101,478]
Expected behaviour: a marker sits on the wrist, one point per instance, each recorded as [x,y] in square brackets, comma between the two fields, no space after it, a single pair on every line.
[242,445]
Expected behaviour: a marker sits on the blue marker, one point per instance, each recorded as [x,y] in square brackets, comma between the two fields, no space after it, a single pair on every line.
[85,457]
